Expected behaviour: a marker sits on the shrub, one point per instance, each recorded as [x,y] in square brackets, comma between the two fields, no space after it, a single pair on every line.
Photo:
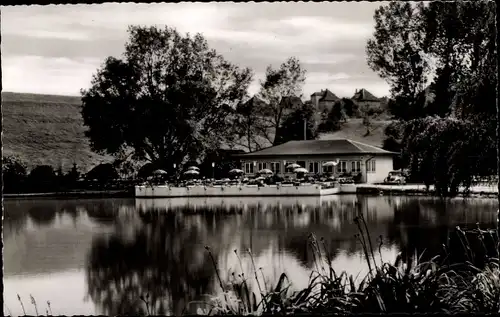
[42,179]
[14,174]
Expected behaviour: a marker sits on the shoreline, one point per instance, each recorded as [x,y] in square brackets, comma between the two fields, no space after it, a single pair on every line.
[361,189]
[127,193]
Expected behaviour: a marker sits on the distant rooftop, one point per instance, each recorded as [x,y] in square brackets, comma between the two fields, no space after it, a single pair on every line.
[364,95]
[326,95]
[319,147]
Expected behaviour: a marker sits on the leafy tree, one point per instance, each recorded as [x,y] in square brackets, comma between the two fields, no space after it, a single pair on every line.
[396,53]
[146,170]
[14,174]
[224,162]
[71,178]
[368,112]
[445,151]
[460,37]
[103,173]
[350,108]
[42,178]
[392,141]
[333,120]
[277,87]
[167,99]
[248,123]
[293,126]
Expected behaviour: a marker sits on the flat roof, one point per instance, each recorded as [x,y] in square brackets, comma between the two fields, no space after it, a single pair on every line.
[318,147]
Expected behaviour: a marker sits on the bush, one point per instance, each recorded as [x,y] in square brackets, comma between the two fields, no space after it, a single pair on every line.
[14,174]
[42,179]
[103,173]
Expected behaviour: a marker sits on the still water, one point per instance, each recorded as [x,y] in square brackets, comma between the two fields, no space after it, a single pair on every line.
[99,256]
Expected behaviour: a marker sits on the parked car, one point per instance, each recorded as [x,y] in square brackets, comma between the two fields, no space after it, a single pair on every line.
[395,177]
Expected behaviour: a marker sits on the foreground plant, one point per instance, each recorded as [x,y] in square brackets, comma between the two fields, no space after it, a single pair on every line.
[436,285]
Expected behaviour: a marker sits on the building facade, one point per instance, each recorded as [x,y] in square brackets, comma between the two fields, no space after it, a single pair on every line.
[323,100]
[353,157]
[363,97]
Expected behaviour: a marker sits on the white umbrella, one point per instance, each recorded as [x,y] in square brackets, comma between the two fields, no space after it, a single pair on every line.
[236,171]
[160,172]
[300,170]
[265,171]
[193,168]
[293,165]
[260,178]
[331,163]
[191,172]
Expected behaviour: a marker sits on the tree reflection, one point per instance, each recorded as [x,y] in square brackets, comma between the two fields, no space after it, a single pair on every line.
[102,211]
[165,260]
[43,214]
[165,256]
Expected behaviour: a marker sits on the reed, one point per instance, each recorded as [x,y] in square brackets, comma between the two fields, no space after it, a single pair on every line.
[437,285]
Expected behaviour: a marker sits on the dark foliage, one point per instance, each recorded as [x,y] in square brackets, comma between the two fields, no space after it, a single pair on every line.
[293,126]
[168,99]
[14,174]
[103,173]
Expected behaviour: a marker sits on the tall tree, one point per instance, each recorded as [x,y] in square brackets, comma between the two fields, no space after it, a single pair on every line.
[445,151]
[334,118]
[279,84]
[296,123]
[166,100]
[248,124]
[396,53]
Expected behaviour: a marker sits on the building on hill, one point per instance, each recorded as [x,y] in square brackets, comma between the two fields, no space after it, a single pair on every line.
[325,99]
[363,97]
[353,157]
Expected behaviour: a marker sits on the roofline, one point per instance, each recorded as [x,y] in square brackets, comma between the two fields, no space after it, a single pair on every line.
[354,143]
[255,155]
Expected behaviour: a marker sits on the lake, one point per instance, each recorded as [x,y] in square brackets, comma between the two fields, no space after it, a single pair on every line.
[98,256]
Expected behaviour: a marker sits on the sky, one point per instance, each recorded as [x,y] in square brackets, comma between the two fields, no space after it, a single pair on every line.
[56,49]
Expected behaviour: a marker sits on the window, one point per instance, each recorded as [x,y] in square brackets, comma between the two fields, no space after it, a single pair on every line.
[370,166]
[302,163]
[356,166]
[275,167]
[314,167]
[262,166]
[249,168]
[343,167]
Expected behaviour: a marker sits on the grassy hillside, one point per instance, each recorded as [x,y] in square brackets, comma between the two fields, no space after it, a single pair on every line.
[355,130]
[46,129]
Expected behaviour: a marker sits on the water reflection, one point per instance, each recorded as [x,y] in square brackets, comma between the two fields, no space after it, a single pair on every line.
[123,249]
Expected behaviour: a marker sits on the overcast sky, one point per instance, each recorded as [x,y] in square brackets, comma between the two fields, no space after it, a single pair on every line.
[56,49]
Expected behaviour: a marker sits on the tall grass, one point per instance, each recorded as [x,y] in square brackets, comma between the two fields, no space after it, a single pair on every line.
[48,310]
[437,285]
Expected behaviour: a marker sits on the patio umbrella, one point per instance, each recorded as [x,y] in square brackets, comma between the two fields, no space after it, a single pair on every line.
[193,168]
[159,172]
[191,172]
[331,163]
[260,178]
[236,171]
[265,171]
[294,165]
[300,170]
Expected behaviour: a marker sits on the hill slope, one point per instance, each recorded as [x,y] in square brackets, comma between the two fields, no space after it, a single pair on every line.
[46,129]
[355,130]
